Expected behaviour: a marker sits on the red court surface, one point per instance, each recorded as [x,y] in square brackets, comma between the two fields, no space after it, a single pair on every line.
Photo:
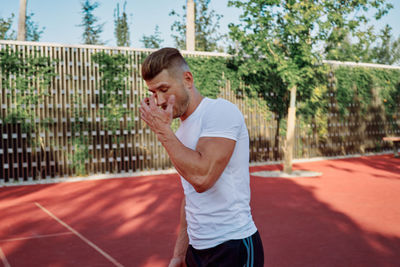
[350,216]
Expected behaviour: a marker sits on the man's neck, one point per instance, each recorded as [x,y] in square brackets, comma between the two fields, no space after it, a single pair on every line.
[194,103]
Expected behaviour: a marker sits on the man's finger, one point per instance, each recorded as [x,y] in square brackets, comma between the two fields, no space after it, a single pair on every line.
[153,101]
[144,111]
[143,116]
[170,105]
[145,100]
[145,104]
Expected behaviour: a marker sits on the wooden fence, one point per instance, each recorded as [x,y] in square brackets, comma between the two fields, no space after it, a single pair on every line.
[49,152]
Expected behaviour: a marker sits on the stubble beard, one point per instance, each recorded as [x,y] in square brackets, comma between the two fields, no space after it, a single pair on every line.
[181,106]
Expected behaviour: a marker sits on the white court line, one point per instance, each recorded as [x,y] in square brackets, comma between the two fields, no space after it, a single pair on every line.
[4,259]
[34,237]
[87,241]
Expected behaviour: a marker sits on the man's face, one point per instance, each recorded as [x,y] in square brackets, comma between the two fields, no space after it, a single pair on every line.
[164,85]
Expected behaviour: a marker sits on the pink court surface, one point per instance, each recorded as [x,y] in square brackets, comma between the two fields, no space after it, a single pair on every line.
[349,216]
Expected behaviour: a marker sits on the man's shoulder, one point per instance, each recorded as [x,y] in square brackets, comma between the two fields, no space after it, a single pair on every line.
[221,104]
[221,111]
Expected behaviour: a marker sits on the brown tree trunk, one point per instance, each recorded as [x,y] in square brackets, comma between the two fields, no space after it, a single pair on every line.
[190,26]
[291,123]
[22,21]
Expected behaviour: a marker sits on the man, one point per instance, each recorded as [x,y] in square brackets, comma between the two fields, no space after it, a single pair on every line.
[210,151]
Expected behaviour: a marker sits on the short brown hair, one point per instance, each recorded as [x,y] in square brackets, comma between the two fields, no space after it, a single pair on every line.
[165,58]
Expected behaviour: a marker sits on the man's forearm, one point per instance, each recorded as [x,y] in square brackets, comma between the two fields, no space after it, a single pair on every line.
[189,163]
[181,244]
[200,167]
[182,241]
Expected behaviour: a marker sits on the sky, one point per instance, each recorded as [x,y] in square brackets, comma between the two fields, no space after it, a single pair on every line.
[62,17]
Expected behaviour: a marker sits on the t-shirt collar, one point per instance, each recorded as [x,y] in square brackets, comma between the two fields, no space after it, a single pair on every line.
[196,111]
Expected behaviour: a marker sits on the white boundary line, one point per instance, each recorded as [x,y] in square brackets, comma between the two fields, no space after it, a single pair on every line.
[4,259]
[34,237]
[87,241]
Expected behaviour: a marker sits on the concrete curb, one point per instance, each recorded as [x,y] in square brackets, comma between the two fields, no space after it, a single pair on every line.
[280,174]
[103,176]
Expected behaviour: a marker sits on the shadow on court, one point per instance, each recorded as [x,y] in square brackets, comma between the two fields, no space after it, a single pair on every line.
[132,220]
[346,217]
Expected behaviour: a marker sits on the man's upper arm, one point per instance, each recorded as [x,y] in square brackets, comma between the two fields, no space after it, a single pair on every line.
[216,153]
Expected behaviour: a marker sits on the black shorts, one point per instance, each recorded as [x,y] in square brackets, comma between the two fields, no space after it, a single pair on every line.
[243,252]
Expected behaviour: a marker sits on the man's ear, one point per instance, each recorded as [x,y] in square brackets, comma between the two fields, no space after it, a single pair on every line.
[188,79]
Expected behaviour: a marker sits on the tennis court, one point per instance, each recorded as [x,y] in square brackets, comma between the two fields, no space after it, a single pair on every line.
[350,216]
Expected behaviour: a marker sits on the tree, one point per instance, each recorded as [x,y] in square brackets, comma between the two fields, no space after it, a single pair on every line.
[154,40]
[32,30]
[356,48]
[22,21]
[5,27]
[32,33]
[206,29]
[388,50]
[92,30]
[121,30]
[278,53]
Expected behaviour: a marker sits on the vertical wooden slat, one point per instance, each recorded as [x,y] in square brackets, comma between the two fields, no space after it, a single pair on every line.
[2,114]
[3,177]
[138,123]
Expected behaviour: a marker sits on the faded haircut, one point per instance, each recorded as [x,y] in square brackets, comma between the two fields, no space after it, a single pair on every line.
[166,58]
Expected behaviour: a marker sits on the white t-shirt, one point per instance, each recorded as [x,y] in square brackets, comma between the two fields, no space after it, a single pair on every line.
[222,212]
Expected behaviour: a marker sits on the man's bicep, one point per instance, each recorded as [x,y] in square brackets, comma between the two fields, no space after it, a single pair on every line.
[216,148]
[216,152]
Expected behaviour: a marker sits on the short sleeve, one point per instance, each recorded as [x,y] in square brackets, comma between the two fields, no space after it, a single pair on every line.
[222,119]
